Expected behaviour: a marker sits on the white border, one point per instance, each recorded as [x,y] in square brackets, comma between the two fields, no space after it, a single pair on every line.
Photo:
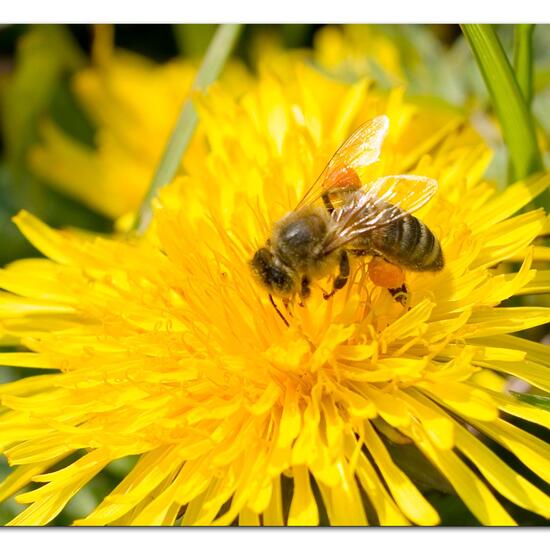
[274,11]
[270,11]
[239,538]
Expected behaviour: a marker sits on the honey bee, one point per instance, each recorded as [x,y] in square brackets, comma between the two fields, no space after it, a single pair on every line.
[339,216]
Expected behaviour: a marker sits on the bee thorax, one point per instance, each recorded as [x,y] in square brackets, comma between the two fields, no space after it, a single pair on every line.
[299,237]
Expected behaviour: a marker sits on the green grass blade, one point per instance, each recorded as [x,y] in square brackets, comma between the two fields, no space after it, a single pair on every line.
[508,101]
[540,401]
[193,40]
[212,64]
[523,59]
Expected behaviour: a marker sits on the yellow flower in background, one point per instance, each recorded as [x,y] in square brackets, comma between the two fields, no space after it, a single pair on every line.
[354,50]
[164,347]
[134,103]
[403,54]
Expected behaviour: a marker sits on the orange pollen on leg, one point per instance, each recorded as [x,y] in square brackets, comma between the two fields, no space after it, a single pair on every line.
[385,274]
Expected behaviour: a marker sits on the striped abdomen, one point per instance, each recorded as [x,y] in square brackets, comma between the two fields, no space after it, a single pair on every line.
[409,243]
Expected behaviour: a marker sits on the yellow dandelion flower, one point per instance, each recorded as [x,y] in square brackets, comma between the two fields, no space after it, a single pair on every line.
[133,102]
[164,347]
[404,54]
[354,50]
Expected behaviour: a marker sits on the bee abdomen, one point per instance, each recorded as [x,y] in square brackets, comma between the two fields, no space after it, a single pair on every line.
[410,243]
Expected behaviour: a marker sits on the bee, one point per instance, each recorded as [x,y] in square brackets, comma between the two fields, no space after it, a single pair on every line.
[339,216]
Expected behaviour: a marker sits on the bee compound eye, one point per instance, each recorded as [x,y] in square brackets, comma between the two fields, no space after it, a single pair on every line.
[262,259]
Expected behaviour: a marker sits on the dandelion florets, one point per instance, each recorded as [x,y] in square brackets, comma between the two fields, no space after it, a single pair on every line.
[166,348]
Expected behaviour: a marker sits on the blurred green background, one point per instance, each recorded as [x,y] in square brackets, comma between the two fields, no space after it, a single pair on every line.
[37,67]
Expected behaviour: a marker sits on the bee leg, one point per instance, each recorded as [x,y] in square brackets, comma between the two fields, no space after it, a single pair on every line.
[342,277]
[400,294]
[278,310]
[286,303]
[328,204]
[305,291]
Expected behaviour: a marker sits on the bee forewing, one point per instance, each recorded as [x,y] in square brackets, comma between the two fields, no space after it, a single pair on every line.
[361,149]
[363,146]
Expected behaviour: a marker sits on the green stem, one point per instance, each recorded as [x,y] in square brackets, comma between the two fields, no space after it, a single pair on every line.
[523,59]
[212,64]
[515,119]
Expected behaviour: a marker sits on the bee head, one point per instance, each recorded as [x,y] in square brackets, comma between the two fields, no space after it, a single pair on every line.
[272,273]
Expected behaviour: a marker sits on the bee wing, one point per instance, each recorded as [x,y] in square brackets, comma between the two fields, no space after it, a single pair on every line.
[406,191]
[360,149]
[384,201]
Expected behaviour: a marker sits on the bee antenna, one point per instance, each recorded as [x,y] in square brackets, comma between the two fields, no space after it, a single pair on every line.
[278,311]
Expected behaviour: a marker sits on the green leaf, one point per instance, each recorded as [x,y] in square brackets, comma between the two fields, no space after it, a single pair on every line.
[539,401]
[68,114]
[508,101]
[523,59]
[214,60]
[44,55]
[38,86]
[193,40]
[295,35]
[418,468]
[452,510]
